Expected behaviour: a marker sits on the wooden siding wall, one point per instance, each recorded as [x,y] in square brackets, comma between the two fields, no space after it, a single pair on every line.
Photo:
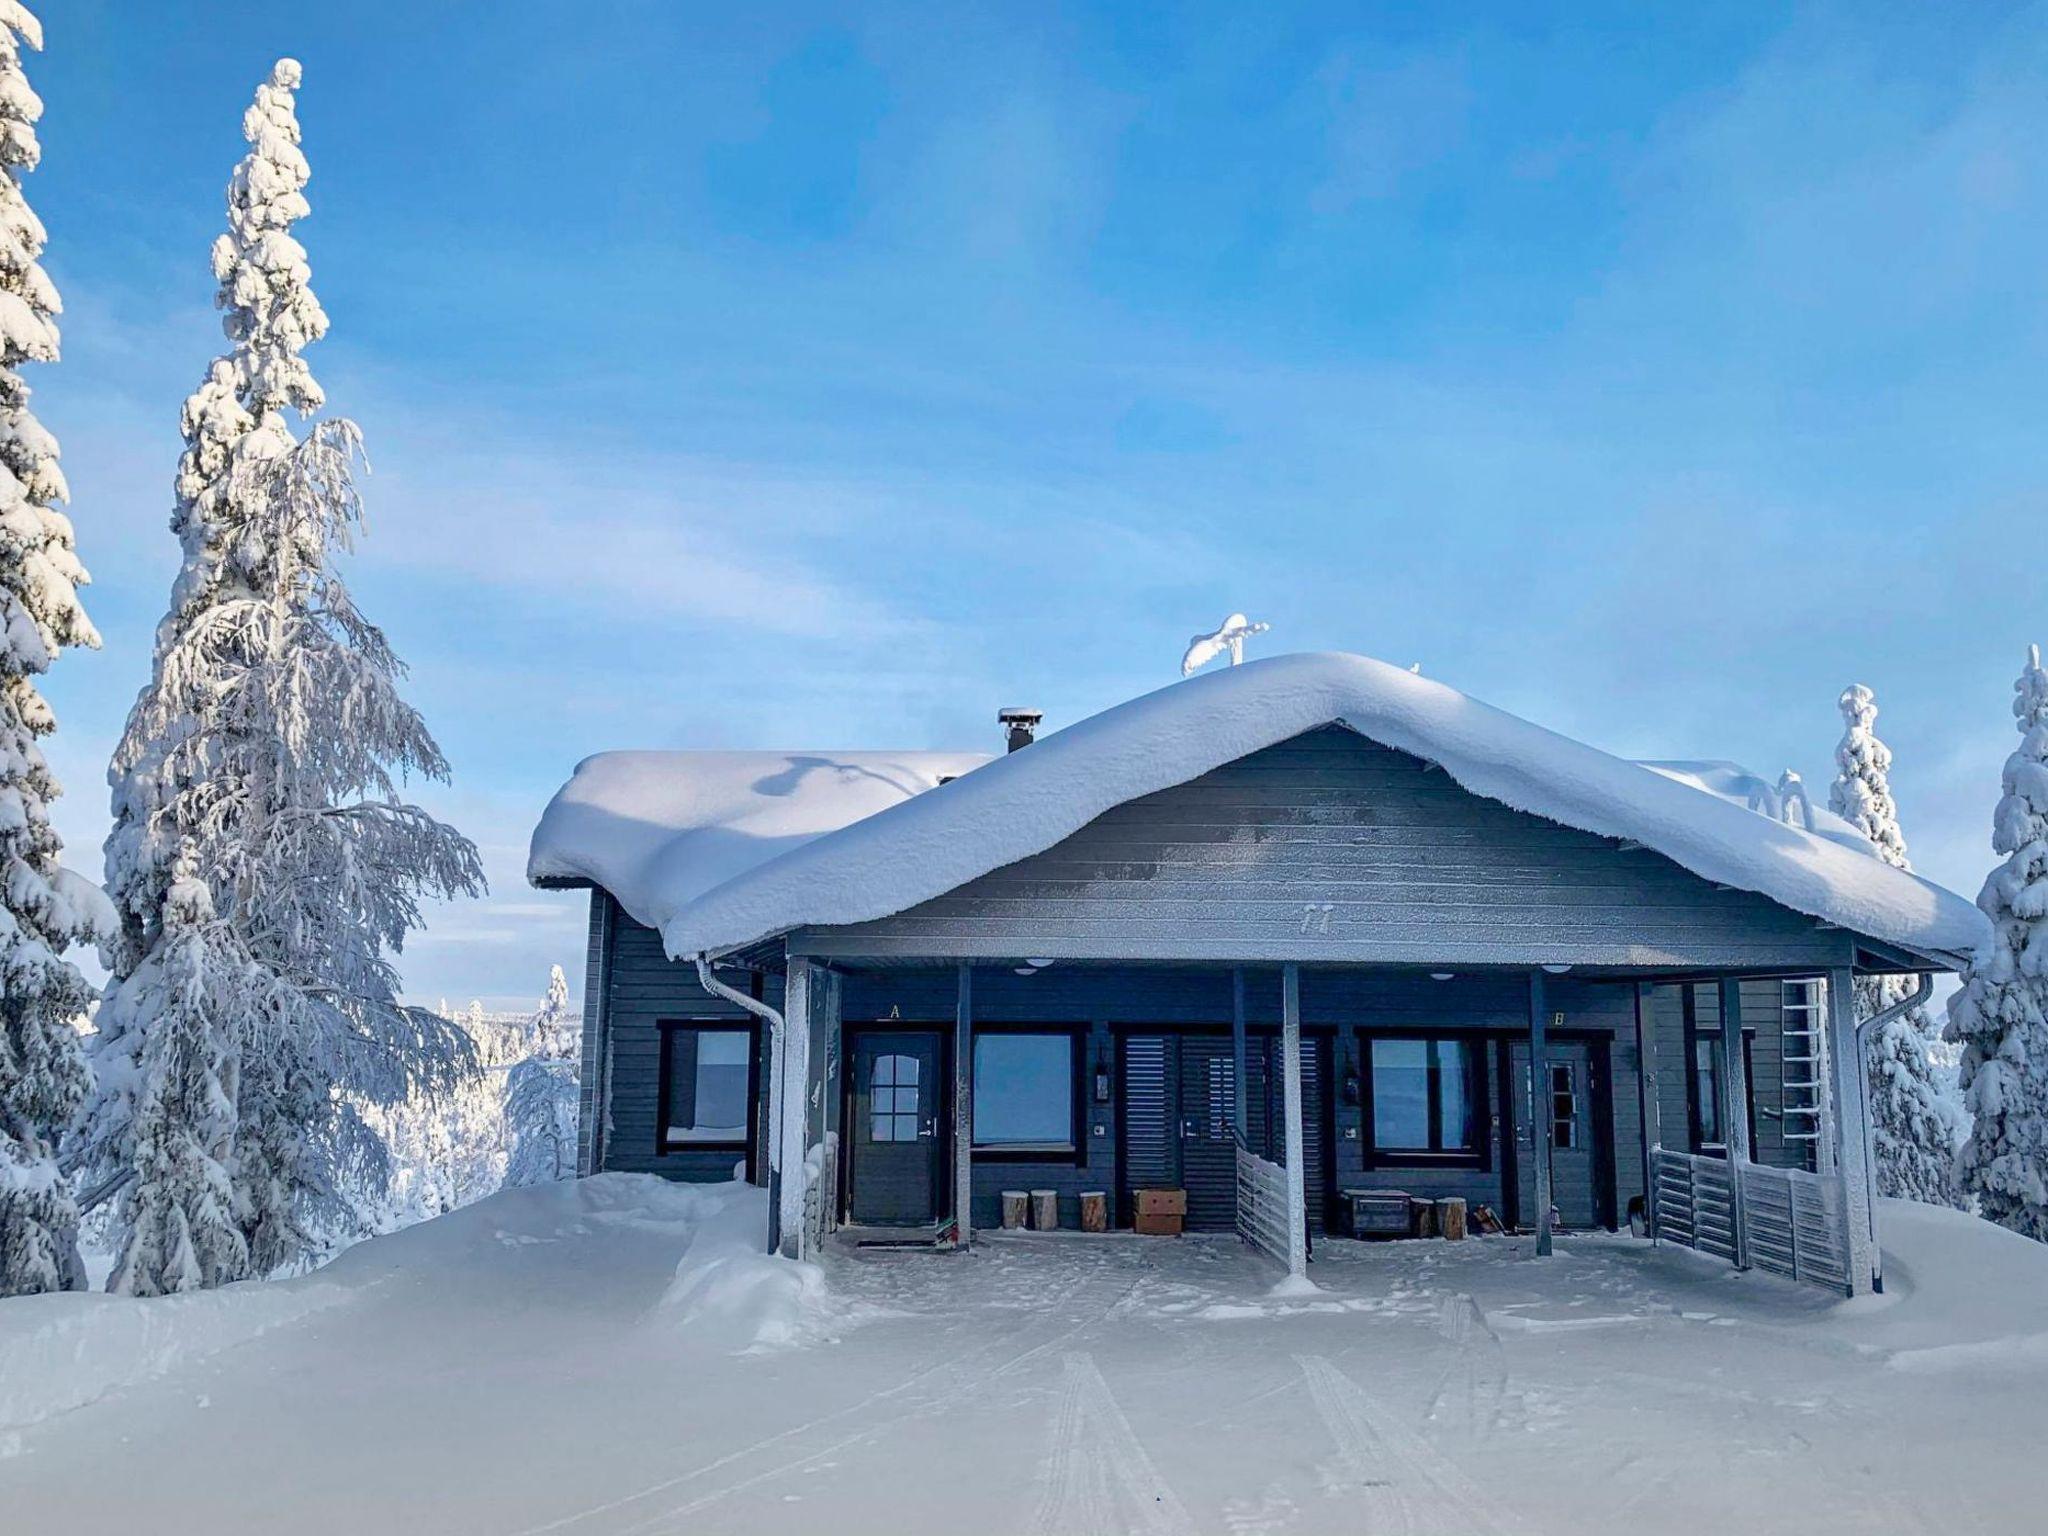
[644,987]
[1330,847]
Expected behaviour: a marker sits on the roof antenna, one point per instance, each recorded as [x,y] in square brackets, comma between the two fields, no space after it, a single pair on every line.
[1229,636]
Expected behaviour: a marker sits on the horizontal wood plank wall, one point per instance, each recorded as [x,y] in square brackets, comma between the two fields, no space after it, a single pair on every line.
[1331,847]
[645,987]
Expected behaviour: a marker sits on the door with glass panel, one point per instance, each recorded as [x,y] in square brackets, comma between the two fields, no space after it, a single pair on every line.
[893,1139]
[1566,1097]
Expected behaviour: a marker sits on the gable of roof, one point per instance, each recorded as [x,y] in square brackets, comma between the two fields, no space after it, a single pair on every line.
[1021,804]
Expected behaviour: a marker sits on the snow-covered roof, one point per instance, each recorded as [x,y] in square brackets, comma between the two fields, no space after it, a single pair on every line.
[659,829]
[683,872]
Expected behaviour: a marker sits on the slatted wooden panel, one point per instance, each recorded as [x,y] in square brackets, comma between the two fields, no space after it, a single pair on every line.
[1151,1144]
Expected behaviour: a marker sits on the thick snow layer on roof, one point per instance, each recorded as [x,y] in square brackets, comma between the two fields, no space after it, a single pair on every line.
[1025,802]
[658,829]
[1753,792]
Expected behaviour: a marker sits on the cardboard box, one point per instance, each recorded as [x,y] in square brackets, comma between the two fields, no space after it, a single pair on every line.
[1161,1202]
[1158,1224]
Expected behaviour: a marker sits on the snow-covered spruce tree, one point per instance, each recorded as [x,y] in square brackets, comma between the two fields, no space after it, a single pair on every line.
[177,1215]
[540,1095]
[1915,1127]
[272,739]
[44,909]
[2000,1015]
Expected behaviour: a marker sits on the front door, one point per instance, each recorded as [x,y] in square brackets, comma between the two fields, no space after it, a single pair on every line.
[1208,1132]
[1568,1101]
[893,1169]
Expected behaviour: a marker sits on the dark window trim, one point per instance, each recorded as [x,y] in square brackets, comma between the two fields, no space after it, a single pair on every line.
[667,1030]
[1695,1032]
[1074,1155]
[1477,1093]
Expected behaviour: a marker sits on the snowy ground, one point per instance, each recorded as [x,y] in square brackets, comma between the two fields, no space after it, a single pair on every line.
[605,1358]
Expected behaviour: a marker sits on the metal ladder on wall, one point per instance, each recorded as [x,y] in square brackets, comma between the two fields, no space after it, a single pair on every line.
[1802,1013]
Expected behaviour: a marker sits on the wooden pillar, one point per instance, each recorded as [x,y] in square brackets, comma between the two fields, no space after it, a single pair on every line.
[1852,1136]
[1240,1121]
[1735,1107]
[963,1109]
[1541,1127]
[1646,1102]
[1297,1170]
[792,1109]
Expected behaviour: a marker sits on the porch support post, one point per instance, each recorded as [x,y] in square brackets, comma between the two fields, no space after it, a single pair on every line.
[1239,1110]
[1646,1103]
[1541,1126]
[1297,1171]
[1735,1108]
[963,1109]
[792,1109]
[1852,1135]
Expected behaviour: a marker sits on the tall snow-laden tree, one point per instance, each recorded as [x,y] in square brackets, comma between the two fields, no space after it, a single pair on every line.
[540,1095]
[44,909]
[272,740]
[2000,1014]
[1914,1125]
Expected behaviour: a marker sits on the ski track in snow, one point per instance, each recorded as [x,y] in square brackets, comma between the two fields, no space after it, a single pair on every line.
[1405,1484]
[972,1374]
[1095,1456]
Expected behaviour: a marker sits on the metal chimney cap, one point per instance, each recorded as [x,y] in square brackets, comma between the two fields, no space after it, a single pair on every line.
[1018,715]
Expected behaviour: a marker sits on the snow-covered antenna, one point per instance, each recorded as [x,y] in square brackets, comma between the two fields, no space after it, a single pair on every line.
[1229,636]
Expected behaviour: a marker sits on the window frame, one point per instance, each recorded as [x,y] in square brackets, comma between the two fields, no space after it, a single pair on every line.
[1478,1098]
[1076,1152]
[668,1029]
[1696,1035]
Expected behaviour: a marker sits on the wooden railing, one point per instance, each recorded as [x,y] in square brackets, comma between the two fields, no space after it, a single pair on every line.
[1785,1221]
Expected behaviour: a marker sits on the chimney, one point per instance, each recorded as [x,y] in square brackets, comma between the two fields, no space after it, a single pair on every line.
[1020,725]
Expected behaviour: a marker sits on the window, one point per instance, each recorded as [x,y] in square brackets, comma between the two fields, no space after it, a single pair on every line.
[1423,1092]
[707,1087]
[1024,1092]
[1564,1105]
[1706,1108]
[892,1099]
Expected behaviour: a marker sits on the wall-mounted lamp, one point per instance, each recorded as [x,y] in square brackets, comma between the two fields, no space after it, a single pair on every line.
[1555,970]
[1441,975]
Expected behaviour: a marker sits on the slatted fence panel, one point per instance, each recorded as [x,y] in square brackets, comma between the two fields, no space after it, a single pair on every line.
[1262,1204]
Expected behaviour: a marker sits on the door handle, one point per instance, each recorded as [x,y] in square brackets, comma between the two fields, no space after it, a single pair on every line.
[930,1129]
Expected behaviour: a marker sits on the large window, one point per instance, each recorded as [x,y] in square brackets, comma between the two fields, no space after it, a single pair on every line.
[707,1087]
[1024,1092]
[1424,1098]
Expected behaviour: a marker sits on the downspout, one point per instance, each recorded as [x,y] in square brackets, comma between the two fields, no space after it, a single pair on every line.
[776,1038]
[1920,994]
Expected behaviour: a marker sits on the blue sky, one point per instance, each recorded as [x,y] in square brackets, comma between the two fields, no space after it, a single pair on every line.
[775,376]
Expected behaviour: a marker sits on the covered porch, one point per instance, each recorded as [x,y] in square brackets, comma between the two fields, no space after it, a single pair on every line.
[1562,1096]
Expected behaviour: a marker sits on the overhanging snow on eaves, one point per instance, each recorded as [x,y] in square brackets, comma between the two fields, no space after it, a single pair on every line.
[1024,803]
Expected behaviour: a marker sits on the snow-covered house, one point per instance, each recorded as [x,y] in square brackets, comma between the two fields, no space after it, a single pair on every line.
[1274,936]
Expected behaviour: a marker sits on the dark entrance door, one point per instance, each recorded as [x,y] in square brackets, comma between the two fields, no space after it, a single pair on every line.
[1178,1100]
[1208,1135]
[1267,1118]
[894,1144]
[1574,1158]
